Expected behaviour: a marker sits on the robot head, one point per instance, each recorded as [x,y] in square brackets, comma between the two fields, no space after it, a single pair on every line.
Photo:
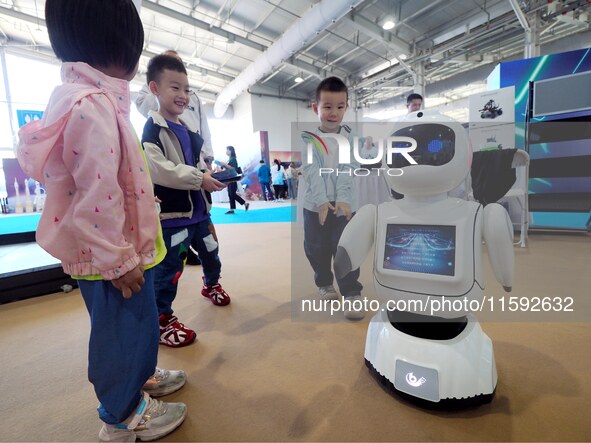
[443,155]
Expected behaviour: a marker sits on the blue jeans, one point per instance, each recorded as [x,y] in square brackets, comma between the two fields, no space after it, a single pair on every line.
[169,270]
[320,245]
[266,187]
[123,346]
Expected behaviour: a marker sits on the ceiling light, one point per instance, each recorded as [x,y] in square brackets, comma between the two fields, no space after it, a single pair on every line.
[298,79]
[388,23]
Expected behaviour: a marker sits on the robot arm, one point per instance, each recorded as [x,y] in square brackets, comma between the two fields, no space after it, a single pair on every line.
[498,235]
[356,241]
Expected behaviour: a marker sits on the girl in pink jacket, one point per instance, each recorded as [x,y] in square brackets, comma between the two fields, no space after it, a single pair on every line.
[100,217]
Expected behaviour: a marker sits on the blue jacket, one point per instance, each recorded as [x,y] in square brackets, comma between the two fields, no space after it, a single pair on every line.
[264,174]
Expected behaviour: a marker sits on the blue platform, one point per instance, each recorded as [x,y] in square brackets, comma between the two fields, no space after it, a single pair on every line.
[18,223]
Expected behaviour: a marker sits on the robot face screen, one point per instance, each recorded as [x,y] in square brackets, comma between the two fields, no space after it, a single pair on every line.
[426,249]
[435,145]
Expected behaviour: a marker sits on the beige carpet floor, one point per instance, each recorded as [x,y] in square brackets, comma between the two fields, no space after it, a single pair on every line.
[261,371]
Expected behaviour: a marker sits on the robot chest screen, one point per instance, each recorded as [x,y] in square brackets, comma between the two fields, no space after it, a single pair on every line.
[426,249]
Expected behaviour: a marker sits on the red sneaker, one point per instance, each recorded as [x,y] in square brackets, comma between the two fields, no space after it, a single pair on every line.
[173,333]
[216,294]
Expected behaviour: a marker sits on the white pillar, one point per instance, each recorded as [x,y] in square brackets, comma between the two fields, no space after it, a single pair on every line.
[532,37]
[8,98]
[419,79]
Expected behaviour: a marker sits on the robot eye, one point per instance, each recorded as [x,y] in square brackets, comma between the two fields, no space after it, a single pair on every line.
[435,145]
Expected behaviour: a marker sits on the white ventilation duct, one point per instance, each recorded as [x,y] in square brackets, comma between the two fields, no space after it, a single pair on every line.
[308,26]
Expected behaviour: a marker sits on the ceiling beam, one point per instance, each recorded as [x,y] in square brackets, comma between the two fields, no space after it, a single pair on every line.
[34,20]
[307,67]
[22,16]
[46,55]
[192,21]
[200,24]
[374,31]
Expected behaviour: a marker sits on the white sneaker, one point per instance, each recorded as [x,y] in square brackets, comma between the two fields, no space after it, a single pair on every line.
[164,382]
[328,293]
[353,308]
[152,420]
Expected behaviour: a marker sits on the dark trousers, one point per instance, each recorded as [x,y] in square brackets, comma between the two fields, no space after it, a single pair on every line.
[168,272]
[279,191]
[123,346]
[266,187]
[234,197]
[320,245]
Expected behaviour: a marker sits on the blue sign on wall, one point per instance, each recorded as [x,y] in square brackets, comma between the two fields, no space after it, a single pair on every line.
[25,117]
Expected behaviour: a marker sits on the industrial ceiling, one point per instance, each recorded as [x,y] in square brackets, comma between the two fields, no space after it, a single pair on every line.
[430,41]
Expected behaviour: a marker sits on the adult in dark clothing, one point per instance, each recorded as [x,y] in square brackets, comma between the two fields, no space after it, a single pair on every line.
[233,187]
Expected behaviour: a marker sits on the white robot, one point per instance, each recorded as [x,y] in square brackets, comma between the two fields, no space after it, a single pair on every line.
[428,266]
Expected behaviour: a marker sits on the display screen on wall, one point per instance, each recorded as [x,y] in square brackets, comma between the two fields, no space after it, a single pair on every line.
[561,95]
[520,72]
[559,138]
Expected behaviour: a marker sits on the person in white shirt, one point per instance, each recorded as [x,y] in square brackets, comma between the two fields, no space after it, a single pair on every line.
[278,180]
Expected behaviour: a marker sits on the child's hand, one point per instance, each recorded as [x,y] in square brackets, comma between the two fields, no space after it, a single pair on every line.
[345,208]
[158,201]
[210,184]
[323,212]
[130,282]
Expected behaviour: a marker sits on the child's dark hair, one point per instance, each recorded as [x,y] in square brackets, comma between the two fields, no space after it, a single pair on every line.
[232,151]
[159,63]
[413,96]
[101,33]
[331,84]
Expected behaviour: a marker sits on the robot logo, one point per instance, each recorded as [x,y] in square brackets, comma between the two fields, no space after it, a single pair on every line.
[413,381]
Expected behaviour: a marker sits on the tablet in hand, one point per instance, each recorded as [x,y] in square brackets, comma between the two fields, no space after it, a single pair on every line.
[227,176]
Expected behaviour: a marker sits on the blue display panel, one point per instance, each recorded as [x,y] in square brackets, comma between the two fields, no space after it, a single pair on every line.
[520,72]
[559,144]
[427,249]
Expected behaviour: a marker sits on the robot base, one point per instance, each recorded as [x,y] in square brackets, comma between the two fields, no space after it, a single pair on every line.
[445,404]
[451,373]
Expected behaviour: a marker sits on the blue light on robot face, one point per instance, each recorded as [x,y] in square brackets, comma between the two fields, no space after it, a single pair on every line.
[435,146]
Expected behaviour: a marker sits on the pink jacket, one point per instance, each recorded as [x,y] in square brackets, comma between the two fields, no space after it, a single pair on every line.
[100,217]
